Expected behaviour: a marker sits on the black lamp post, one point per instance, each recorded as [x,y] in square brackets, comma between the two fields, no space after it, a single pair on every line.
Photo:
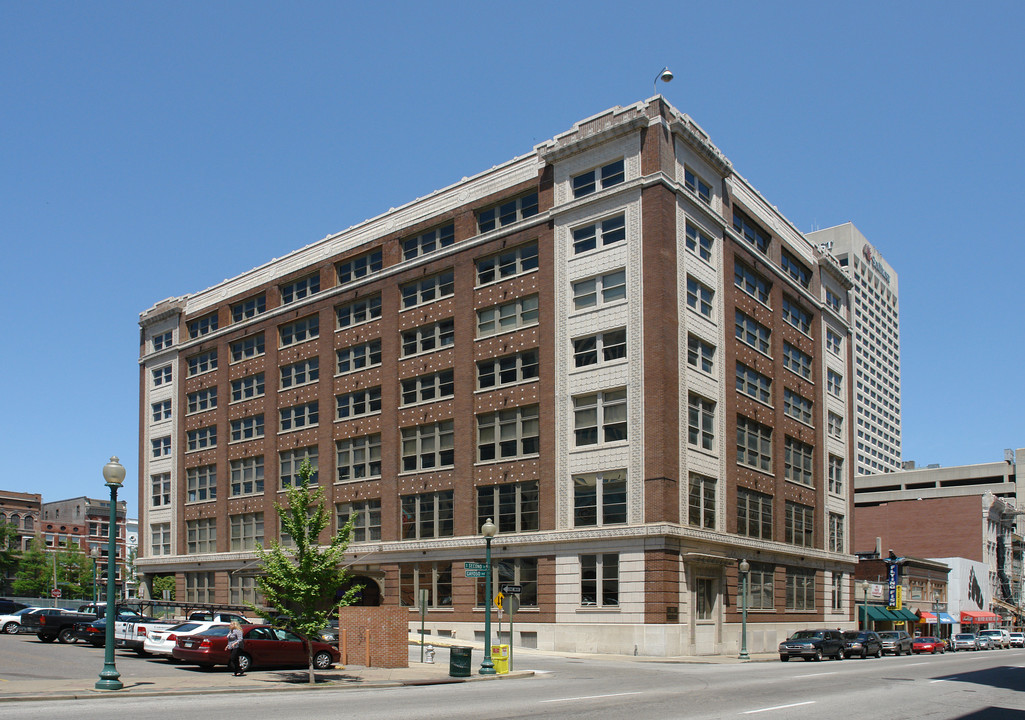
[487,667]
[95,555]
[744,568]
[114,474]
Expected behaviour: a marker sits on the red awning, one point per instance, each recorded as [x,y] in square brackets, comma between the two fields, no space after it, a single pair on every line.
[926,617]
[977,617]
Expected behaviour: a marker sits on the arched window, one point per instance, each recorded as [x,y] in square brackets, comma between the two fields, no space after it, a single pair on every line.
[29,522]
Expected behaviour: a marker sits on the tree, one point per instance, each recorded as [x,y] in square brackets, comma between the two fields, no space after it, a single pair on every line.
[299,582]
[9,537]
[162,583]
[35,571]
[130,574]
[74,572]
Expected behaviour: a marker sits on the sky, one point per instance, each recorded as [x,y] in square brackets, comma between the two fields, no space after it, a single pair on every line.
[153,149]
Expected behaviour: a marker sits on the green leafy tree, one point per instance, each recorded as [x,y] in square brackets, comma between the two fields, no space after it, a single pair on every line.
[74,572]
[9,536]
[35,572]
[162,583]
[299,581]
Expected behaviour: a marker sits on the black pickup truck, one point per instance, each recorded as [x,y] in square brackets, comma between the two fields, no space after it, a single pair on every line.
[62,625]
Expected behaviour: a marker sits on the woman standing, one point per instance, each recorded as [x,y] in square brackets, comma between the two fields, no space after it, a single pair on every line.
[235,645]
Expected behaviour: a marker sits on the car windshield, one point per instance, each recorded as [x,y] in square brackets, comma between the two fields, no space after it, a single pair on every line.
[219,631]
[889,635]
[967,636]
[990,633]
[926,640]
[806,635]
[184,627]
[855,635]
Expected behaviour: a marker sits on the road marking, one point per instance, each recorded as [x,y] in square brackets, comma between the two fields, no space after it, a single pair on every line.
[590,697]
[777,707]
[815,675]
[913,664]
[942,680]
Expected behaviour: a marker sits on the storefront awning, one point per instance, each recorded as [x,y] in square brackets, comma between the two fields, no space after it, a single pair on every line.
[904,615]
[946,618]
[926,617]
[879,614]
[977,617]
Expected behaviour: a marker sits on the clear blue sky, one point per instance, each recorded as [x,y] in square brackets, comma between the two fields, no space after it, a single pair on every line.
[152,149]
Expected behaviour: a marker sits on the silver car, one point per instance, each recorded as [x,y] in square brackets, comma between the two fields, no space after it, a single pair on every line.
[897,642]
[965,641]
[984,643]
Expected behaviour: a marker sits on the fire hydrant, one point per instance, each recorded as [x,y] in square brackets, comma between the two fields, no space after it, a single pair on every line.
[429,654]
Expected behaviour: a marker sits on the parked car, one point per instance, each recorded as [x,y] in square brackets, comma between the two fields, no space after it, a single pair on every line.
[263,645]
[8,607]
[162,641]
[928,644]
[1017,639]
[95,632]
[218,617]
[897,642]
[11,622]
[984,642]
[965,641]
[813,645]
[862,643]
[999,638]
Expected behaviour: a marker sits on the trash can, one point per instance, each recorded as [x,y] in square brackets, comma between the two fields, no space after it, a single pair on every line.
[459,661]
[500,659]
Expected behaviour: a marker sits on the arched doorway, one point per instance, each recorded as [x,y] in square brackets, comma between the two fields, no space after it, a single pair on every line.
[370,595]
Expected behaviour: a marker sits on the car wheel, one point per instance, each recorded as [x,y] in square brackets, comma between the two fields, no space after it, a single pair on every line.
[818,655]
[47,638]
[897,651]
[839,654]
[142,653]
[879,653]
[323,660]
[11,628]
[245,662]
[67,635]
[784,658]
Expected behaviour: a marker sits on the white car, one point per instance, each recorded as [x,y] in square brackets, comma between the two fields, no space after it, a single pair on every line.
[10,623]
[1017,639]
[161,642]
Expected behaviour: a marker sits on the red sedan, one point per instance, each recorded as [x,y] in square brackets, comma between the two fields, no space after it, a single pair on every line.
[928,644]
[263,646]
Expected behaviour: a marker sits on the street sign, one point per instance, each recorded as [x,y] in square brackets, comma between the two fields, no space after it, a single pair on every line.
[56,593]
[476,573]
[474,566]
[498,600]
[512,589]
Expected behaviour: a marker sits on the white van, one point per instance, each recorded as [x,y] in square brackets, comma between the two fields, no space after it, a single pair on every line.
[999,638]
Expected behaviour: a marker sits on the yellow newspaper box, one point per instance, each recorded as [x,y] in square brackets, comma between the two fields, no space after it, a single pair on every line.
[500,659]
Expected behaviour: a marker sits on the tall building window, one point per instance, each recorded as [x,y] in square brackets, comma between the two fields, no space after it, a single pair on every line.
[299,289]
[246,531]
[247,476]
[291,460]
[508,316]
[599,580]
[428,515]
[598,179]
[600,349]
[699,297]
[795,268]
[366,525]
[704,598]
[599,418]
[161,376]
[358,357]
[507,370]
[299,416]
[701,501]
[359,267]
[754,514]
[834,301]
[599,234]
[514,507]
[161,447]
[428,447]
[201,400]
[833,341]
[428,242]
[199,587]
[160,486]
[202,326]
[800,589]
[514,571]
[799,525]
[696,185]
[163,340]
[837,591]
[834,383]
[303,372]
[247,347]
[752,383]
[428,289]
[599,291]
[836,482]
[161,410]
[358,403]
[160,539]
[796,315]
[797,463]
[835,425]
[599,498]
[247,428]
[507,213]
[242,590]
[700,354]
[751,282]
[428,388]
[358,312]
[507,264]
[750,230]
[761,587]
[796,361]
[434,577]
[249,308]
[754,444]
[201,536]
[359,458]
[204,362]
[507,434]
[428,338]
[247,388]
[699,243]
[836,539]
[751,332]
[201,483]
[201,439]
[797,406]
[299,331]
[701,422]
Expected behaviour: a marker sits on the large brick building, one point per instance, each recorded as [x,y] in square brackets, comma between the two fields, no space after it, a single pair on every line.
[612,345]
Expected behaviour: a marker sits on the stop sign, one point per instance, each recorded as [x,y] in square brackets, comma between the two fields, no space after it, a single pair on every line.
[56,592]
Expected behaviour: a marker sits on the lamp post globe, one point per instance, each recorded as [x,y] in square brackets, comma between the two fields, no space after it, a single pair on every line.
[744,568]
[113,476]
[487,667]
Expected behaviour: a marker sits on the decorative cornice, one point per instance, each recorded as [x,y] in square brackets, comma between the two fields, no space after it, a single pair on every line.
[691,133]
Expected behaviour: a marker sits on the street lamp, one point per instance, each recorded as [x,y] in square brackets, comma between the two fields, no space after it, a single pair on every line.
[95,555]
[487,667]
[665,75]
[744,568]
[864,605]
[114,475]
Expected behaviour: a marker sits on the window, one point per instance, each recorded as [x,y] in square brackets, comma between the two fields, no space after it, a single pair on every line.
[428,388]
[750,230]
[247,428]
[358,312]
[753,384]
[515,571]
[361,266]
[600,349]
[201,439]
[358,458]
[700,354]
[247,476]
[797,461]
[358,403]
[599,499]
[836,543]
[696,185]
[162,376]
[303,372]
[246,531]
[599,234]
[202,326]
[598,179]
[507,213]
[833,341]
[599,417]
[599,291]
[795,268]
[505,434]
[428,289]
[299,416]
[701,422]
[751,332]
[428,242]
[428,447]
[161,410]
[835,425]
[797,406]
[599,580]
[836,475]
[434,577]
[754,444]
[247,388]
[837,591]
[512,315]
[507,264]
[201,400]
[299,331]
[428,515]
[796,316]
[249,308]
[796,361]
[359,357]
[799,525]
[751,282]
[699,243]
[507,370]
[754,514]
[161,446]
[699,297]
[834,301]
[514,507]
[428,338]
[366,525]
[299,289]
[701,501]
[761,587]
[160,539]
[201,483]
[160,487]
[201,536]
[248,347]
[704,598]
[834,383]
[199,587]
[204,362]
[800,589]
[163,340]
[242,590]
[292,460]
